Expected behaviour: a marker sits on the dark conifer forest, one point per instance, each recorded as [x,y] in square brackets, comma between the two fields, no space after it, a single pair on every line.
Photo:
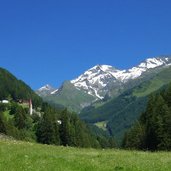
[153,129]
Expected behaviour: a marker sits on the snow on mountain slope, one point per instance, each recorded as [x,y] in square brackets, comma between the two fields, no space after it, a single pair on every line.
[46,87]
[96,80]
[54,92]
[100,79]
[45,90]
[144,66]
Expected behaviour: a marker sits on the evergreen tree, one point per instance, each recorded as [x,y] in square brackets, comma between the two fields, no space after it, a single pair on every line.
[48,130]
[3,124]
[167,95]
[20,118]
[134,139]
[65,129]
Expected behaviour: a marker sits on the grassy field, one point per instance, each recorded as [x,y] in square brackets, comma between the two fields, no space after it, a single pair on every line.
[102,125]
[16,156]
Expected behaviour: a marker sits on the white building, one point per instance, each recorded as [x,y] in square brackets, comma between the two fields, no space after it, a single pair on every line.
[5,101]
[59,122]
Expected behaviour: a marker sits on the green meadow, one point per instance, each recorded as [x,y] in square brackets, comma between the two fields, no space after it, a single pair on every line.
[23,156]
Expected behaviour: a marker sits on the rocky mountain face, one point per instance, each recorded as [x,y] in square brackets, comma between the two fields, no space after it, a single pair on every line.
[98,80]
[69,96]
[46,90]
[103,81]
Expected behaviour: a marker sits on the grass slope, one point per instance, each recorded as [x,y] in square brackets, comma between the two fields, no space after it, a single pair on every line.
[70,97]
[16,156]
[102,125]
[154,84]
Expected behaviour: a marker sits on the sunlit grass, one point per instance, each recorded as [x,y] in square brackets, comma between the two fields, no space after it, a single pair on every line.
[16,156]
[102,125]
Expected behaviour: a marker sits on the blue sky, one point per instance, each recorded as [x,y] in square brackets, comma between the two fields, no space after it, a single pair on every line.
[51,41]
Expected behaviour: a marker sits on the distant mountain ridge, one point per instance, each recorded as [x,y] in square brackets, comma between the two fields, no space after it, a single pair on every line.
[45,90]
[103,81]
[95,80]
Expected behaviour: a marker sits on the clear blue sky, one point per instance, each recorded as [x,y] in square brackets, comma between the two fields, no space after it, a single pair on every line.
[49,41]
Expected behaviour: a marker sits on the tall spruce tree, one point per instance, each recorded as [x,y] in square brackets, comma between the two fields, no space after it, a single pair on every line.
[65,129]
[20,118]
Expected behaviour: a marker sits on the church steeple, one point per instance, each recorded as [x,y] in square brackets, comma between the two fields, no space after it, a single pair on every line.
[30,107]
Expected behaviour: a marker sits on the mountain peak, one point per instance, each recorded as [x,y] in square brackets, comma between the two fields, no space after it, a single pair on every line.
[155,62]
[102,67]
[46,87]
[95,79]
[45,90]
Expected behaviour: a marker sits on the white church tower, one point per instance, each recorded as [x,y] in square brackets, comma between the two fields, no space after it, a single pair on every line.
[30,107]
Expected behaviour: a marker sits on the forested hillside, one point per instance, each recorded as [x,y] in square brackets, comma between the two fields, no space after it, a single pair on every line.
[121,112]
[13,89]
[153,130]
[47,124]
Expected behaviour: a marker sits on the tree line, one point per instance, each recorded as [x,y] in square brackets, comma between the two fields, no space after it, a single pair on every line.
[49,126]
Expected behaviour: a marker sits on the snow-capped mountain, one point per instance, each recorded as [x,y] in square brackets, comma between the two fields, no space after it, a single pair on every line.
[97,80]
[46,90]
[102,82]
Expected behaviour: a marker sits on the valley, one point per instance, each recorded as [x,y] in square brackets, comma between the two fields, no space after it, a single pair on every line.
[102,135]
[102,83]
[106,94]
[85,85]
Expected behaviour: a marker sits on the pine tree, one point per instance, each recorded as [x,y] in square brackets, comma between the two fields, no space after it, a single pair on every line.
[134,139]
[20,118]
[167,95]
[65,129]
[3,124]
[47,130]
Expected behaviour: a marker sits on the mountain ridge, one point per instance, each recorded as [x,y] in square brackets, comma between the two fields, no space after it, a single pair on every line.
[103,81]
